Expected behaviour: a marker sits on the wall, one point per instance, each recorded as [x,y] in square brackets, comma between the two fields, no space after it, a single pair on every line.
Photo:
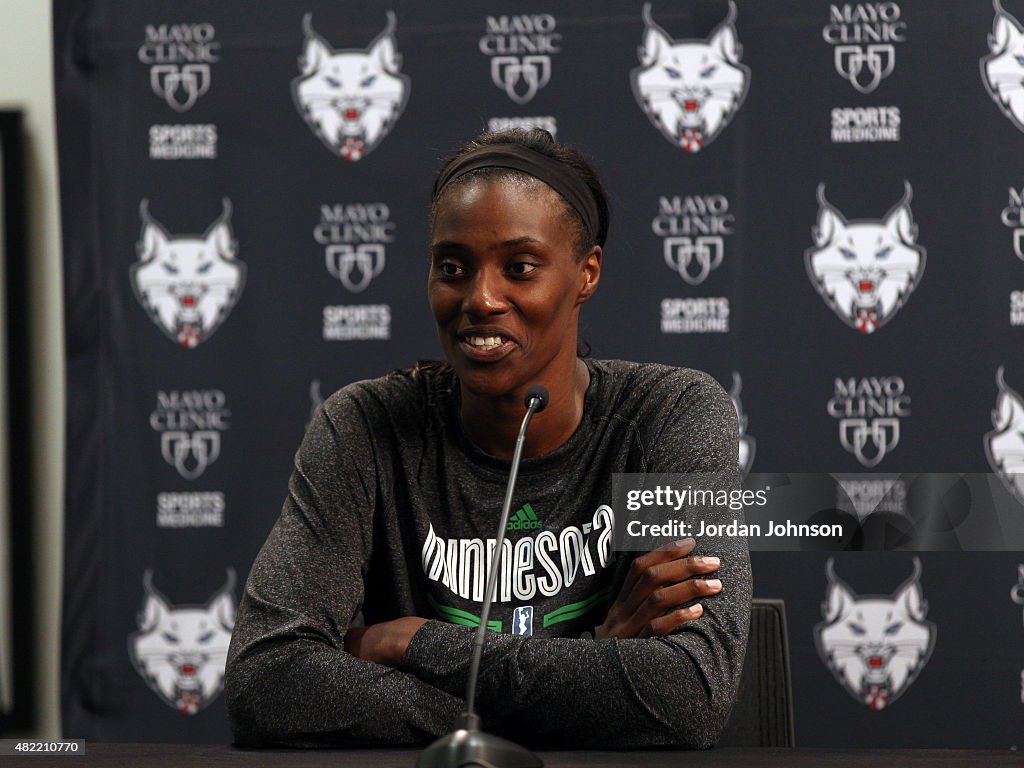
[737,221]
[26,83]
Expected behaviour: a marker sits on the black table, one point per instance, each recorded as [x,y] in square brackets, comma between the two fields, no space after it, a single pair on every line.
[190,755]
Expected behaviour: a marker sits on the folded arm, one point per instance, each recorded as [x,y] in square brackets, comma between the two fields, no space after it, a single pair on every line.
[614,693]
[289,679]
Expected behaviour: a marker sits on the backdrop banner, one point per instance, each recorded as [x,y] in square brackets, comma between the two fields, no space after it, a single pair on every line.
[821,204]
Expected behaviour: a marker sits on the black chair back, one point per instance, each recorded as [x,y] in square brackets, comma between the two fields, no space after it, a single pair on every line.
[763,713]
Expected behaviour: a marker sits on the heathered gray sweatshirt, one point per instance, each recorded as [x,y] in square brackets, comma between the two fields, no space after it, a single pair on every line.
[392,512]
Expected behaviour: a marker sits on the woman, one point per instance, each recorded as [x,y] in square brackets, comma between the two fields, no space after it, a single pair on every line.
[399,482]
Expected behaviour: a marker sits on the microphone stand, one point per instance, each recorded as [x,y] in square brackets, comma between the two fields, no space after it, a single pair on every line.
[468,746]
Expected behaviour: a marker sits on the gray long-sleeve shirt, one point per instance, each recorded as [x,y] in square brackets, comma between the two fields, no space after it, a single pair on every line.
[391,512]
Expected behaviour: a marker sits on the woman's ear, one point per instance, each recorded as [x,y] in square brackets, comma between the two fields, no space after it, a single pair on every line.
[590,274]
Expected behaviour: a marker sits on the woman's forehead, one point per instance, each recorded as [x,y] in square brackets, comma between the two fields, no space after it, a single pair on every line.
[499,181]
[513,201]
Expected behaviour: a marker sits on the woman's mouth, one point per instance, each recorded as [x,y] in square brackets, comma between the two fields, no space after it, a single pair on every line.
[485,347]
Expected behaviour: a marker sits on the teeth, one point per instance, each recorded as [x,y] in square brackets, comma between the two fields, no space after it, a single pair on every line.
[485,341]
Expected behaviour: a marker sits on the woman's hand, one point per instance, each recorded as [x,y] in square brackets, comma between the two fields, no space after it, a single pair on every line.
[384,643]
[647,605]
[657,584]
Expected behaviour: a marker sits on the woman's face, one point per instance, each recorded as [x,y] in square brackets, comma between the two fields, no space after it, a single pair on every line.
[506,285]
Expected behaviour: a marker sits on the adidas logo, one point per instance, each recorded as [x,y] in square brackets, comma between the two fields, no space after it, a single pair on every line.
[524,519]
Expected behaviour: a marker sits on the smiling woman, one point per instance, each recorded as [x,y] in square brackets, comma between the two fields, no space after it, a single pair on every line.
[505,290]
[355,623]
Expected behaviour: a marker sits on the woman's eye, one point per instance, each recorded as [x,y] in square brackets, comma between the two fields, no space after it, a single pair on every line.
[522,268]
[449,269]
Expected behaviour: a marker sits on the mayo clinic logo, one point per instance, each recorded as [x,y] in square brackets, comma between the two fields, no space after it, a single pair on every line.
[179,58]
[190,423]
[863,36]
[692,229]
[1017,596]
[869,411]
[520,48]
[1013,218]
[354,236]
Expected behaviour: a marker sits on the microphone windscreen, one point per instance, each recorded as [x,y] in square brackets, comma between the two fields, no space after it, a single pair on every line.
[540,392]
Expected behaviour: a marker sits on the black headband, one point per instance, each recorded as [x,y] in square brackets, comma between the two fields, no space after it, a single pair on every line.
[519,158]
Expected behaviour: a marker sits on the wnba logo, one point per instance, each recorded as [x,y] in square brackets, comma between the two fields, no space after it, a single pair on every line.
[522,621]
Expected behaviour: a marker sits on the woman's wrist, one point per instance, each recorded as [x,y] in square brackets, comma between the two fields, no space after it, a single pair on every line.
[383,643]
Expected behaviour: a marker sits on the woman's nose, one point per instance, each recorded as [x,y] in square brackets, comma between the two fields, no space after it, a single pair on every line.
[485,294]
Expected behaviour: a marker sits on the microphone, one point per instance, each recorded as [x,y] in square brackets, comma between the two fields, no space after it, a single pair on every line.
[468,746]
[539,393]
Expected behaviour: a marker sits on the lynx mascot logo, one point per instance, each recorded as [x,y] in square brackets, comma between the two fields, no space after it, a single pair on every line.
[748,445]
[350,98]
[187,284]
[690,89]
[180,650]
[875,645]
[865,270]
[1004,445]
[1002,70]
